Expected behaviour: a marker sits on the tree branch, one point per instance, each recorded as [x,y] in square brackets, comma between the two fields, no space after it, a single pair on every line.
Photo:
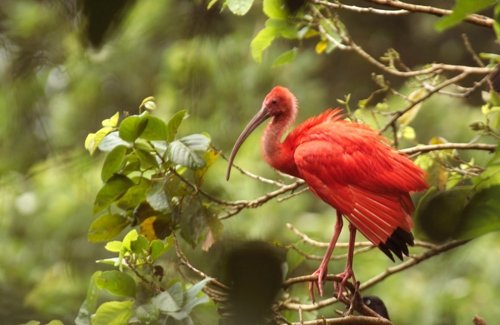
[338,5]
[446,146]
[475,19]
[371,282]
[348,320]
[413,260]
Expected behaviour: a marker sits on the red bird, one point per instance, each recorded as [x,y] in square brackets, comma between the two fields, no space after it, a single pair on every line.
[350,167]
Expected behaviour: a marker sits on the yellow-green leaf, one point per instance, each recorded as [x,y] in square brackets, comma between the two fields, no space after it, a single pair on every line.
[239,7]
[274,9]
[113,313]
[94,139]
[112,121]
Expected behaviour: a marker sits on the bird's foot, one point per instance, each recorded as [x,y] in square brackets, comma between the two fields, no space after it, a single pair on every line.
[345,276]
[321,274]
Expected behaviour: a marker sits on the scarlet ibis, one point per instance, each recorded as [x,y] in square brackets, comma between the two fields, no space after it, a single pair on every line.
[349,166]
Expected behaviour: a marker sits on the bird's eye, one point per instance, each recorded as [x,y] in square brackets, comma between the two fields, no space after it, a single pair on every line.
[274,102]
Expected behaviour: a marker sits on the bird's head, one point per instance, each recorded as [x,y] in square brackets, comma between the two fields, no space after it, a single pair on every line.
[279,103]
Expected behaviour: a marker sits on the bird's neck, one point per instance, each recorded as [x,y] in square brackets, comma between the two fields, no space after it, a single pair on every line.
[275,151]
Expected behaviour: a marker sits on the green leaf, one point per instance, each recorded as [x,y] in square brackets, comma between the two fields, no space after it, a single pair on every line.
[239,7]
[117,283]
[140,246]
[89,305]
[274,9]
[165,302]
[126,246]
[155,129]
[439,214]
[134,195]
[282,28]
[265,37]
[196,288]
[112,190]
[192,298]
[111,141]
[285,57]
[147,158]
[132,127]
[262,41]
[491,175]
[114,246]
[130,237]
[93,140]
[113,163]
[184,150]
[461,10]
[157,198]
[113,313]
[148,314]
[174,123]
[482,214]
[158,248]
[496,23]
[176,291]
[106,227]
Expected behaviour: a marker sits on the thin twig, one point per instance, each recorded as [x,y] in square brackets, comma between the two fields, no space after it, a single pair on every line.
[289,196]
[312,242]
[358,9]
[252,175]
[197,189]
[316,243]
[446,146]
[348,320]
[242,204]
[432,68]
[413,260]
[475,19]
[333,257]
[183,260]
[442,85]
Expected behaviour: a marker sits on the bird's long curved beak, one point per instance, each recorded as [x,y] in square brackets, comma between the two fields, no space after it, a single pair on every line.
[260,117]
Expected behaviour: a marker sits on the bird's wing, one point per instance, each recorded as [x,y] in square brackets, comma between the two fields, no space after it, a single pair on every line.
[328,116]
[348,166]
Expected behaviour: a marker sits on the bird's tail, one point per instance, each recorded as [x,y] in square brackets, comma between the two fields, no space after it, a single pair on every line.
[385,220]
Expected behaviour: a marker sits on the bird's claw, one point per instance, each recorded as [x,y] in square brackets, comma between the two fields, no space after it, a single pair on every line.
[345,276]
[321,274]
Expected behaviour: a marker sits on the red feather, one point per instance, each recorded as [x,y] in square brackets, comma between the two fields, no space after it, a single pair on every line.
[352,168]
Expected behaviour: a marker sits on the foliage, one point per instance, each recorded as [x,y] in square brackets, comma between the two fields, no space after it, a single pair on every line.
[150,180]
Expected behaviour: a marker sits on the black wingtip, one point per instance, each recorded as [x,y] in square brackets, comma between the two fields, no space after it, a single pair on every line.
[397,244]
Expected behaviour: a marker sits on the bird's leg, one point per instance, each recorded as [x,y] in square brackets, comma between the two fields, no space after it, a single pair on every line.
[348,272]
[323,267]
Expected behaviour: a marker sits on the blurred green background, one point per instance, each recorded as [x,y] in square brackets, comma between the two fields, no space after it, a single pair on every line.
[62,72]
